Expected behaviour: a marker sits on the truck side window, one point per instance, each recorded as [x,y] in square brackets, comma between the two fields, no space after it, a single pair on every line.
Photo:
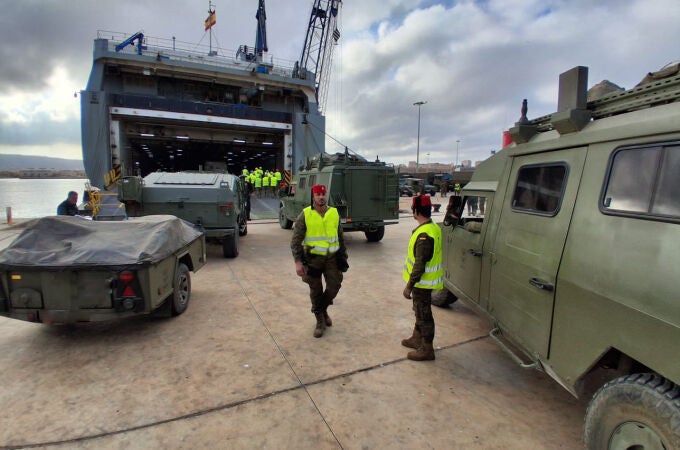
[312,180]
[472,213]
[301,183]
[539,188]
[644,181]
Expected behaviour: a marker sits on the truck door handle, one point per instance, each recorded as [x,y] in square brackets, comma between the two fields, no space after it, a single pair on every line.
[474,252]
[541,284]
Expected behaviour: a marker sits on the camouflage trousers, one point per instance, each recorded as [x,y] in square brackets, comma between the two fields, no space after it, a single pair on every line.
[422,306]
[317,266]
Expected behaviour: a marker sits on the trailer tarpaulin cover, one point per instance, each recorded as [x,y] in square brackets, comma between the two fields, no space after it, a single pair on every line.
[70,243]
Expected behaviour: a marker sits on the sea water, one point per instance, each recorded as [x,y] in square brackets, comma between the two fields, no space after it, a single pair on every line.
[30,198]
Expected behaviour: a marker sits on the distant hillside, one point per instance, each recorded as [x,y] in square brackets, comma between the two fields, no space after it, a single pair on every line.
[18,162]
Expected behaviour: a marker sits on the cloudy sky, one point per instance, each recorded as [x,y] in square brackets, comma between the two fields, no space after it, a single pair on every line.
[472,62]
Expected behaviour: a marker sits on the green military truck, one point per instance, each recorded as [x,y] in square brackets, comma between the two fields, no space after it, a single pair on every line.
[569,242]
[214,201]
[366,194]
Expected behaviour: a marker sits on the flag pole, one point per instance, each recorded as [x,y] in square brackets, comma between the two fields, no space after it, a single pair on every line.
[210,31]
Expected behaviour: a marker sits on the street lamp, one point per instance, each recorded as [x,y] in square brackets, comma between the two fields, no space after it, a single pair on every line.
[457,150]
[418,104]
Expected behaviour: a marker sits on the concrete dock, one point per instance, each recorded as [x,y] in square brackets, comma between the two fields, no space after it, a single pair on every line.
[241,369]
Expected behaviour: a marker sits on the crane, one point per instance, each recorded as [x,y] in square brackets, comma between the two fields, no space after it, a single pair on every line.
[317,51]
[261,35]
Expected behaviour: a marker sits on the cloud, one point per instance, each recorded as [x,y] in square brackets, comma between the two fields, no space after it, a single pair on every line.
[472,61]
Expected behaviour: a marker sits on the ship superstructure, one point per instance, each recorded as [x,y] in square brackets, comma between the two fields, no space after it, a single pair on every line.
[153,104]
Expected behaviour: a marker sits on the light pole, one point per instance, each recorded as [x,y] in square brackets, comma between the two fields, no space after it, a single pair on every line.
[418,104]
[457,149]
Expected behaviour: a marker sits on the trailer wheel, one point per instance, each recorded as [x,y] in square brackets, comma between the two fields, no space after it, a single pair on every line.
[283,220]
[230,246]
[243,227]
[375,236]
[182,292]
[636,411]
[443,298]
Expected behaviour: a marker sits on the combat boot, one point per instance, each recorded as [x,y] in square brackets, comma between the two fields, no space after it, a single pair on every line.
[320,325]
[327,318]
[414,340]
[424,353]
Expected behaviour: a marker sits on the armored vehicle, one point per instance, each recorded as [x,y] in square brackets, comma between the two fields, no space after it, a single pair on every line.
[366,194]
[569,242]
[216,202]
[65,269]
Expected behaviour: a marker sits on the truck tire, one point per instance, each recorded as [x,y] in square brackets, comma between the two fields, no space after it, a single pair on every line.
[230,246]
[634,411]
[283,220]
[182,291]
[242,227]
[375,236]
[443,298]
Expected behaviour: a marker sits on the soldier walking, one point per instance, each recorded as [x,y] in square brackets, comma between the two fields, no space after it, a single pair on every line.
[422,273]
[319,249]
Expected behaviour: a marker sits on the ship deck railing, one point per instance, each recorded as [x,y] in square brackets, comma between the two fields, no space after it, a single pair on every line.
[173,49]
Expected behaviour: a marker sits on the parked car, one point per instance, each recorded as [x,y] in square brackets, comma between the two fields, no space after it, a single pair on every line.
[430,189]
[406,190]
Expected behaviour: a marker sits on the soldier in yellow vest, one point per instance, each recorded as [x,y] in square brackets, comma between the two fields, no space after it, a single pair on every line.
[258,185]
[422,273]
[319,249]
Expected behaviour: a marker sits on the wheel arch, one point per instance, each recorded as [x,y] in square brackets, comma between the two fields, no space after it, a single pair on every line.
[612,364]
[187,261]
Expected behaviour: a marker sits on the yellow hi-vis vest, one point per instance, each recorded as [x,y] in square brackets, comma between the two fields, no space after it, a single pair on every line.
[433,278]
[322,232]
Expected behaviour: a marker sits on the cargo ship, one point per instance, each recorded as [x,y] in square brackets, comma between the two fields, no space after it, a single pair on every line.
[156,104]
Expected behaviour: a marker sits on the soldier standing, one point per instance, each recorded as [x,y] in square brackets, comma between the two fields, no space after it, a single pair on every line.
[319,249]
[422,273]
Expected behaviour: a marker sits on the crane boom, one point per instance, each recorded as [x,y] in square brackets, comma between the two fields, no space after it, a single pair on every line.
[317,51]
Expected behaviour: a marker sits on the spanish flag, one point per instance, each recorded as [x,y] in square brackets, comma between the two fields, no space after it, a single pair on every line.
[210,21]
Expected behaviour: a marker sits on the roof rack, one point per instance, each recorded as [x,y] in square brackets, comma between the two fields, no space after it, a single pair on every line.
[321,160]
[574,112]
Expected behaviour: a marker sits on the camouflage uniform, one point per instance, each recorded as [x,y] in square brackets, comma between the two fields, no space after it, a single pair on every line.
[317,265]
[422,298]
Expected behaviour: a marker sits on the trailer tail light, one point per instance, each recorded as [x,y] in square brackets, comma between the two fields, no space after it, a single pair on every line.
[128,292]
[126,277]
[227,207]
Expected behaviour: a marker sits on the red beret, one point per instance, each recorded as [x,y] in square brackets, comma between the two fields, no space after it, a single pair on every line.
[318,189]
[421,201]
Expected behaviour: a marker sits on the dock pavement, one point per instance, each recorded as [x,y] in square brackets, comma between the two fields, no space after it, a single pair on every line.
[240,368]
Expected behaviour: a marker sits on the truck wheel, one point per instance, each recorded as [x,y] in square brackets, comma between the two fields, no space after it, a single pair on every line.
[443,298]
[243,228]
[635,411]
[375,236]
[283,220]
[182,292]
[230,246]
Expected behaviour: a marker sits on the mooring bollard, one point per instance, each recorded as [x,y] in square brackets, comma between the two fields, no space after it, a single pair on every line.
[8,211]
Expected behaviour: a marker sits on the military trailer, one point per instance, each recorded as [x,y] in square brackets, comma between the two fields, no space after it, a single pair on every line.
[569,242]
[366,194]
[65,269]
[216,202]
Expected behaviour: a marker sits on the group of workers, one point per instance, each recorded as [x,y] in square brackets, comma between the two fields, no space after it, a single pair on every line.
[319,250]
[263,183]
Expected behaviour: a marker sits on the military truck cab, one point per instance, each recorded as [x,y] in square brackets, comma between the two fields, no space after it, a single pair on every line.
[366,194]
[569,242]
